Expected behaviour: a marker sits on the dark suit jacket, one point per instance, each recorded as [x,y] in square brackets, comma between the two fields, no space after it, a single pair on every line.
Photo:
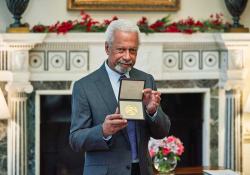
[92,100]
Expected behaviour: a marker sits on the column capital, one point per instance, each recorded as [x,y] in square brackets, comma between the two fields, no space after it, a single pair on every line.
[232,84]
[19,87]
[233,74]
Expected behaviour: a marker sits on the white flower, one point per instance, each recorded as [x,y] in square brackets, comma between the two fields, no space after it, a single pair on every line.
[156,149]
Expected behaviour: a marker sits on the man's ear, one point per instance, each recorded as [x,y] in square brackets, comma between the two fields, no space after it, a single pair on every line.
[107,48]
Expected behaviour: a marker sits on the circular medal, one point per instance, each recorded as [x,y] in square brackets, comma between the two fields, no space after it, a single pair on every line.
[131,110]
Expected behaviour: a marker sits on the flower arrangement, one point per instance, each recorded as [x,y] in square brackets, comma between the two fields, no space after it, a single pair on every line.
[165,152]
[188,26]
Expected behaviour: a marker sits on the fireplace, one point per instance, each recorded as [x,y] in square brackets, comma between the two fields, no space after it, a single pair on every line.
[52,120]
[56,157]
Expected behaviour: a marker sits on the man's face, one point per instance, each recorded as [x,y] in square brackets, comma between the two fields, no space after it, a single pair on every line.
[122,54]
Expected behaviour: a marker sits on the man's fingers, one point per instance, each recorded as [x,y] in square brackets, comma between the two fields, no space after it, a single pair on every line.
[117,111]
[155,104]
[145,95]
[114,116]
[118,127]
[148,90]
[156,93]
[118,122]
[158,98]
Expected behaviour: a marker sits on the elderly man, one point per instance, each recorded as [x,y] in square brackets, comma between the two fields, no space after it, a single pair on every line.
[113,145]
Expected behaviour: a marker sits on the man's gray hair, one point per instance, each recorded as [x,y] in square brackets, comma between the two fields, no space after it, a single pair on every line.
[122,25]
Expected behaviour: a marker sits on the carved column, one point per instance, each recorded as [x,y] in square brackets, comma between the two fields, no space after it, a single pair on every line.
[232,80]
[18,125]
[14,68]
[233,128]
[18,87]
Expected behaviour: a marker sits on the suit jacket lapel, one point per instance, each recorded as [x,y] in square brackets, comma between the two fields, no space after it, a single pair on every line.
[133,73]
[105,88]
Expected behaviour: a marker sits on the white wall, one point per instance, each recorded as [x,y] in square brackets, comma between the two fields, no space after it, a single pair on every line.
[49,12]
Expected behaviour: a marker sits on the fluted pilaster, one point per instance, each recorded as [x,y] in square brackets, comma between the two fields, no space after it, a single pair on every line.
[19,133]
[233,127]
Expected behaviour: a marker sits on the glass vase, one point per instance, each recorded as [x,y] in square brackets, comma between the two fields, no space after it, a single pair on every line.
[165,164]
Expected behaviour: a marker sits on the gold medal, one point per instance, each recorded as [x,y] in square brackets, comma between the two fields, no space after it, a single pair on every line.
[131,110]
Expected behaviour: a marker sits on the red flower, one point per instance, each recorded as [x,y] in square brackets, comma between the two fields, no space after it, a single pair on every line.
[82,12]
[151,152]
[89,24]
[158,25]
[180,150]
[172,29]
[188,31]
[57,24]
[217,16]
[105,23]
[181,22]
[115,18]
[76,21]
[215,21]
[88,30]
[170,139]
[199,24]
[95,22]
[211,16]
[189,21]
[65,27]
[165,151]
[39,28]
[143,21]
[86,17]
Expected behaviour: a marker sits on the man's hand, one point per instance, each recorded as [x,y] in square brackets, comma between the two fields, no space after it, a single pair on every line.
[151,99]
[113,123]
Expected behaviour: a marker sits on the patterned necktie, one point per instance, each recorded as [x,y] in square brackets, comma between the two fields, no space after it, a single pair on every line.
[131,130]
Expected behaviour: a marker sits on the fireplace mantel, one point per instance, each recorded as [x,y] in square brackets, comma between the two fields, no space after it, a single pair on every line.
[164,55]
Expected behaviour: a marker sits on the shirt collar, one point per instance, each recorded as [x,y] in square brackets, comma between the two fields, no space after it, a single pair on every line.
[114,76]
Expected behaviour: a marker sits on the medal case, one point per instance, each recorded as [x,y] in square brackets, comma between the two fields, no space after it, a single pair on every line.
[130,98]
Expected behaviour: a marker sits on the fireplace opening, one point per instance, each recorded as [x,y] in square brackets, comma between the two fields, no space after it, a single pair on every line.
[185,112]
[56,155]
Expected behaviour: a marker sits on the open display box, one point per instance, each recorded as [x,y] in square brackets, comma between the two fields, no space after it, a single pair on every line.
[131,98]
